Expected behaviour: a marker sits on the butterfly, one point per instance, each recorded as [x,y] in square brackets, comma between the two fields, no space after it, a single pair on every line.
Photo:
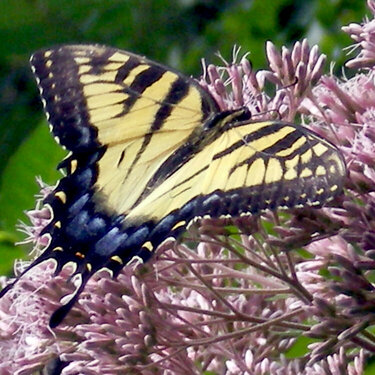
[149,151]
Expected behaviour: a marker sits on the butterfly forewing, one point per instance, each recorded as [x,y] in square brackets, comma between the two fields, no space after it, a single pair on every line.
[138,110]
[266,164]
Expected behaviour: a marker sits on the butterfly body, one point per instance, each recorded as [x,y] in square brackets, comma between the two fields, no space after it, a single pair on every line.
[150,151]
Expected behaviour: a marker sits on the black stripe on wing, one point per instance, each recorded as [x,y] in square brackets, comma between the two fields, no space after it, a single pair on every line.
[63,99]
[179,89]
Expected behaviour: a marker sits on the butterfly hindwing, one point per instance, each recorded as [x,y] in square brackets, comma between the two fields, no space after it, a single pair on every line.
[150,150]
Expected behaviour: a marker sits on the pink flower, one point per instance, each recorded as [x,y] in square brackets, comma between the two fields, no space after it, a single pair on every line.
[232,298]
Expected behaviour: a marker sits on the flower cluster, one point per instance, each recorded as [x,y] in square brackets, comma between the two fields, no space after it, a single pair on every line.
[233,296]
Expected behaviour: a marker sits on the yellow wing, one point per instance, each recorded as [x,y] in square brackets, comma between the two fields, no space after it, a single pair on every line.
[248,167]
[138,110]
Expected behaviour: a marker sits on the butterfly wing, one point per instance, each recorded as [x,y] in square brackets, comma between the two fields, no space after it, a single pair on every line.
[246,168]
[137,110]
[120,116]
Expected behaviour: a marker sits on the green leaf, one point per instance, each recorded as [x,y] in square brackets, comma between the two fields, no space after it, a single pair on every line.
[300,347]
[37,156]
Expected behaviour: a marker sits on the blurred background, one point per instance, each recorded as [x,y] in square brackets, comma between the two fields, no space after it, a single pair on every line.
[178,33]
